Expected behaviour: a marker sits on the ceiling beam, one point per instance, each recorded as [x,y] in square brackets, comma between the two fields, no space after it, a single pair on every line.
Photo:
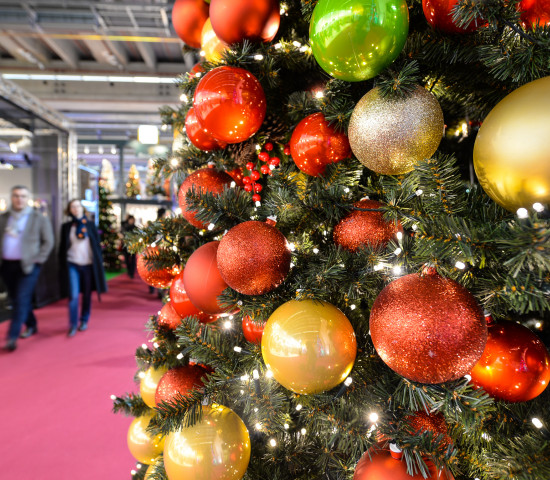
[148,55]
[34,47]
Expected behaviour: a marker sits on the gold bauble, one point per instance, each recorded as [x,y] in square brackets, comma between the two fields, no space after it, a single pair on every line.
[512,148]
[390,136]
[142,446]
[216,448]
[148,384]
[211,45]
[309,346]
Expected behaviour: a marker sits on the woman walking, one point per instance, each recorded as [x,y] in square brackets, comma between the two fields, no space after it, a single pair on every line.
[81,265]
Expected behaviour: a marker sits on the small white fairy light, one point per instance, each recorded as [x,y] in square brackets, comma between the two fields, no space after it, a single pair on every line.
[353,307]
[211,226]
[373,417]
[141,374]
[258,57]
[536,422]
[258,426]
[460,265]
[227,324]
[238,349]
[272,442]
[303,431]
[522,213]
[538,207]
[255,374]
[113,397]
[315,251]
[184,98]
[179,356]
[299,407]
[397,270]
[419,192]
[287,426]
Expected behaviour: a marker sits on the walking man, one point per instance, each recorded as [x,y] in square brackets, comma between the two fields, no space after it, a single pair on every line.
[26,240]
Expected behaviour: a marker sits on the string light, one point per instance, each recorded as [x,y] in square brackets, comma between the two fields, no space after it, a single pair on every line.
[468,377]
[269,374]
[296,44]
[156,345]
[245,377]
[286,425]
[299,407]
[303,431]
[255,375]
[538,207]
[460,265]
[179,356]
[397,270]
[184,98]
[378,267]
[353,307]
[397,251]
[144,346]
[522,213]
[347,381]
[399,236]
[238,349]
[373,417]
[258,426]
[227,324]
[419,192]
[113,397]
[273,442]
[536,422]
[211,227]
[291,247]
[232,184]
[258,57]
[315,251]
[319,94]
[141,374]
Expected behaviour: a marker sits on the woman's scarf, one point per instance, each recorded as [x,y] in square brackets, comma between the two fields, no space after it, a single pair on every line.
[81,225]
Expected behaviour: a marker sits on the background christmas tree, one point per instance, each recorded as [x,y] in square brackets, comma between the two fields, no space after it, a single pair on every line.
[133,188]
[370,311]
[108,230]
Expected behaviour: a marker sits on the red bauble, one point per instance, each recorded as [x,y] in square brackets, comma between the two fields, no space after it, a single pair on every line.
[253,331]
[440,16]
[428,328]
[380,465]
[238,20]
[534,12]
[159,278]
[359,228]
[253,258]
[202,280]
[314,144]
[188,17]
[237,175]
[196,71]
[515,365]
[168,317]
[204,180]
[183,306]
[180,380]
[230,104]
[434,423]
[198,136]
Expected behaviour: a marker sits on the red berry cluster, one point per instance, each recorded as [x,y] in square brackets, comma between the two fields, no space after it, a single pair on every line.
[250,184]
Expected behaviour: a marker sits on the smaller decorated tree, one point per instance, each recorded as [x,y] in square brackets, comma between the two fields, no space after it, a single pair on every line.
[107,229]
[133,188]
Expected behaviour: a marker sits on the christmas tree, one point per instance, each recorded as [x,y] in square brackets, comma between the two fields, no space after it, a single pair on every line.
[108,230]
[133,188]
[347,299]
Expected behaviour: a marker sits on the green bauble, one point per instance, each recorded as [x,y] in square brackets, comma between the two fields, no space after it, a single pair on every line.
[355,40]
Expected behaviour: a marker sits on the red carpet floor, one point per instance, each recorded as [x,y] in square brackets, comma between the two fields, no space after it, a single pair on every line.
[55,408]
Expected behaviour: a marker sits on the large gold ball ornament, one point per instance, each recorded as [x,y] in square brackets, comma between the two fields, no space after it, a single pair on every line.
[512,149]
[216,448]
[390,136]
[142,446]
[148,384]
[309,346]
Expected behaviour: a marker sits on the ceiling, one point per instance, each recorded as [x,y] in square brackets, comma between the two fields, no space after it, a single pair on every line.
[106,66]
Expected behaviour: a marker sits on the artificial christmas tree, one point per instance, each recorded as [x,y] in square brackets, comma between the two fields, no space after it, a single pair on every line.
[133,188]
[110,241]
[313,389]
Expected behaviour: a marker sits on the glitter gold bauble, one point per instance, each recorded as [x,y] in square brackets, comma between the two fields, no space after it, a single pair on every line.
[253,258]
[216,448]
[142,446]
[378,464]
[180,380]
[168,317]
[360,228]
[203,180]
[428,328]
[515,365]
[158,278]
[390,136]
[202,280]
[148,384]
[309,346]
[434,423]
[511,154]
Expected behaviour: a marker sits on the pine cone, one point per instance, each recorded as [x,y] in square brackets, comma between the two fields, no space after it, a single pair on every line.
[242,153]
[273,128]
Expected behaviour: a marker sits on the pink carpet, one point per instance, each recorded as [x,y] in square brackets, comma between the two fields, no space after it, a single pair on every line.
[55,408]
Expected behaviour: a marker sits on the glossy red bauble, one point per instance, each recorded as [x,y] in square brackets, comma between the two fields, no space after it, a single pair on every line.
[237,175]
[428,328]
[440,16]
[188,17]
[203,180]
[179,381]
[515,365]
[238,20]
[158,278]
[253,331]
[202,280]
[314,144]
[360,228]
[198,136]
[196,71]
[183,306]
[168,317]
[230,104]
[534,12]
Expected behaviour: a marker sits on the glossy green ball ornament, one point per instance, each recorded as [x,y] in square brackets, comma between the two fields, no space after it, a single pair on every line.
[355,40]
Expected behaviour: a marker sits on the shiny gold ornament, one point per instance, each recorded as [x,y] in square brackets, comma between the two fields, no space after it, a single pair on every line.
[309,346]
[511,152]
[216,448]
[390,136]
[142,446]
[148,384]
[211,45]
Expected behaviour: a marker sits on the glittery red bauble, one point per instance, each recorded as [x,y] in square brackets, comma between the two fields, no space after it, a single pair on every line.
[515,365]
[179,380]
[314,144]
[434,423]
[188,17]
[198,136]
[237,175]
[380,465]
[252,331]
[183,306]
[253,258]
[159,278]
[440,16]
[168,317]
[236,20]
[428,328]
[202,280]
[359,228]
[203,180]
[230,104]
[534,12]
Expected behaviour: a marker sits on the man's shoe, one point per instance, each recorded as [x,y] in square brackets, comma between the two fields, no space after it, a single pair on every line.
[72,332]
[83,326]
[11,345]
[28,332]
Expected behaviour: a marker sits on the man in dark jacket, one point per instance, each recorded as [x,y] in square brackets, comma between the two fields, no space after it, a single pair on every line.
[26,240]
